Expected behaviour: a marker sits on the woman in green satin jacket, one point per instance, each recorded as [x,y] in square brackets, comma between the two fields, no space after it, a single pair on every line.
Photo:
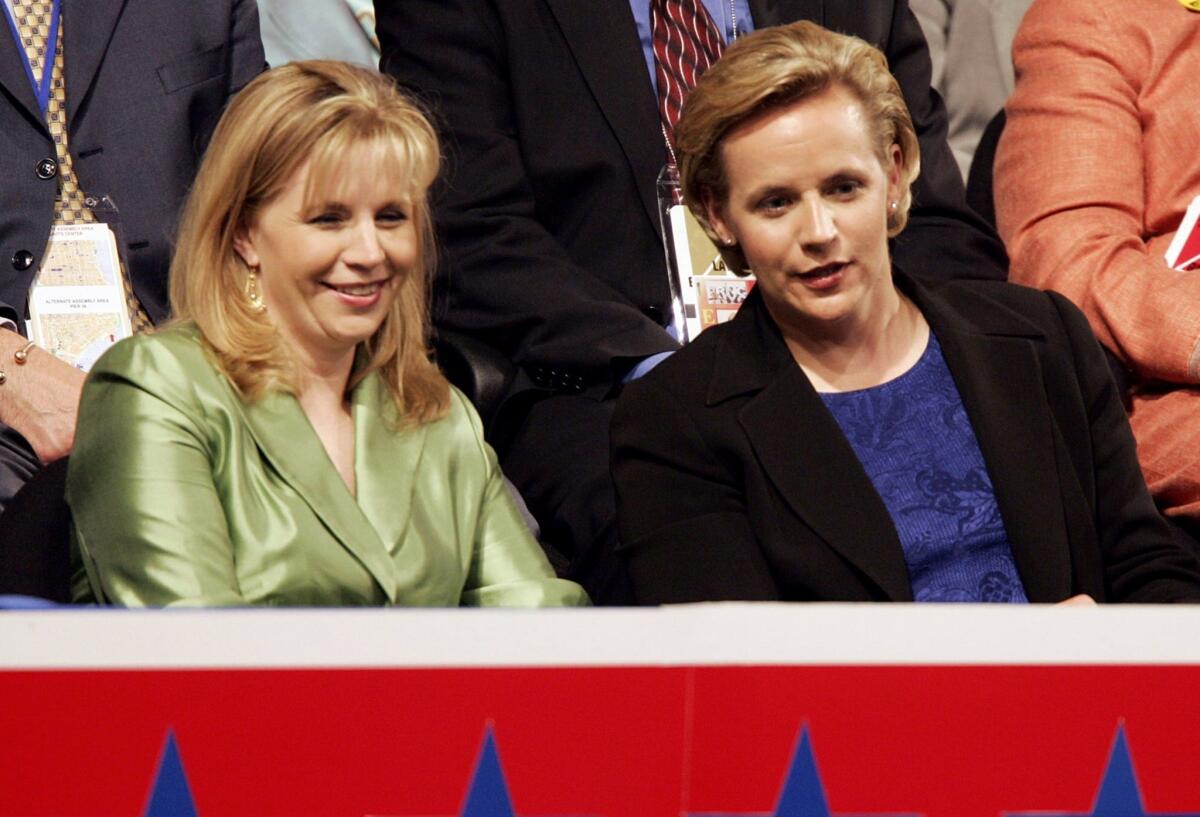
[287,440]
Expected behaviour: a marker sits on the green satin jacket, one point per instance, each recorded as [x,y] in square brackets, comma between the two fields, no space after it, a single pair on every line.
[181,493]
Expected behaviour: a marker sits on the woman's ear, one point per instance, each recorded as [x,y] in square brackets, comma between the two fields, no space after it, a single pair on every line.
[243,245]
[894,168]
[718,225]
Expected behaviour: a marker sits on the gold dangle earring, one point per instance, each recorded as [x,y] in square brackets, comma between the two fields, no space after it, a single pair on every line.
[254,293]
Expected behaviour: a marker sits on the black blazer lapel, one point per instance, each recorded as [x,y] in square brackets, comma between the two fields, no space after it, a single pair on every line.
[13,79]
[993,359]
[603,38]
[87,30]
[803,452]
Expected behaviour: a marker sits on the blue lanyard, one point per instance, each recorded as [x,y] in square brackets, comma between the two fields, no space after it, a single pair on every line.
[41,91]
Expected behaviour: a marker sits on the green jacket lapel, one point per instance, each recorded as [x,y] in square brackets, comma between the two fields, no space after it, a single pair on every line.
[387,463]
[287,440]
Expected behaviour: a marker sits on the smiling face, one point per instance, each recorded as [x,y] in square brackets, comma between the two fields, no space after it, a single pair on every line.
[330,261]
[807,204]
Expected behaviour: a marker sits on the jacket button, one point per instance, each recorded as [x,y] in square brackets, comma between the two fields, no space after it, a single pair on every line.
[654,313]
[22,260]
[46,169]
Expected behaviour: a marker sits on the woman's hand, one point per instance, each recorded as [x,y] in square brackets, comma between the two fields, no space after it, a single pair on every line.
[1082,600]
[39,399]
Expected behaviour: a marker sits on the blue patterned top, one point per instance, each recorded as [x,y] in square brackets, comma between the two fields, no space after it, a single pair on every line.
[916,443]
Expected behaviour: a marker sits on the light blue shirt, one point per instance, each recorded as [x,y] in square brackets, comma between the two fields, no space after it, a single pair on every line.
[319,30]
[725,14]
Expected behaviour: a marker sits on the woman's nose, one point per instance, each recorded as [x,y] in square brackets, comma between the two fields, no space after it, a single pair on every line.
[365,248]
[817,227]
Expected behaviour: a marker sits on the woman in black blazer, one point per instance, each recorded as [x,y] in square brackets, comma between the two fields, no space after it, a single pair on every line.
[855,434]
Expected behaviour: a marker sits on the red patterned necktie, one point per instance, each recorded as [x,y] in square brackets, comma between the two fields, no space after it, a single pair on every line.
[686,44]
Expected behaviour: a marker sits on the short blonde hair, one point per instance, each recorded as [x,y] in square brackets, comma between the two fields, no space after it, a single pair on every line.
[773,68]
[313,112]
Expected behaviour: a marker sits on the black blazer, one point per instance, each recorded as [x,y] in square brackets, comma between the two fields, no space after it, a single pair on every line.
[735,482]
[547,213]
[146,81]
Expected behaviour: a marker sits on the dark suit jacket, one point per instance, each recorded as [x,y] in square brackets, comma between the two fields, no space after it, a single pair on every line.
[552,247]
[146,81]
[735,482]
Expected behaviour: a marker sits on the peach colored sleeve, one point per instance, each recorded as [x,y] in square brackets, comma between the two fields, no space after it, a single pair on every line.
[1070,186]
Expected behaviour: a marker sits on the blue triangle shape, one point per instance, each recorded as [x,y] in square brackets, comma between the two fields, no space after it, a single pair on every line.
[1119,795]
[802,795]
[170,796]
[488,795]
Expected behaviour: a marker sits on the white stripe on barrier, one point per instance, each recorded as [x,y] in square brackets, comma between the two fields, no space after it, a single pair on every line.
[694,635]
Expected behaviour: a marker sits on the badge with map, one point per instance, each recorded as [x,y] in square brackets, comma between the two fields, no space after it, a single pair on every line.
[704,291]
[77,306]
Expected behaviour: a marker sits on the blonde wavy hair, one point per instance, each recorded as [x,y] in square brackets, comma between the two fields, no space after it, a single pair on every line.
[776,67]
[313,112]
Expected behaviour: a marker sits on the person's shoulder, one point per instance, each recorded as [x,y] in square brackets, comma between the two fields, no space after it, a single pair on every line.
[174,357]
[460,428]
[970,292]
[688,370]
[461,418]
[453,449]
[682,380]
[163,374]
[180,343]
[995,304]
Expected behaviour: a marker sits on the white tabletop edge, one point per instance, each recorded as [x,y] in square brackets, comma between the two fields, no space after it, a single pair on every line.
[692,635]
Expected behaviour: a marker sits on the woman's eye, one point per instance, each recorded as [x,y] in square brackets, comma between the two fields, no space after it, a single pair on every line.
[845,188]
[326,218]
[773,204]
[392,216]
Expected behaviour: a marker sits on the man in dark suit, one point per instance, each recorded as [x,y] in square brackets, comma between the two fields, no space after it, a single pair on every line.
[145,83]
[548,218]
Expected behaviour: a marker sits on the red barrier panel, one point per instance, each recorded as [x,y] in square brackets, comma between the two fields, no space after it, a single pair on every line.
[288,714]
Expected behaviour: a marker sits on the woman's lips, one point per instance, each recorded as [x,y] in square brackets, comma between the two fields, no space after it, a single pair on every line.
[826,276]
[358,296]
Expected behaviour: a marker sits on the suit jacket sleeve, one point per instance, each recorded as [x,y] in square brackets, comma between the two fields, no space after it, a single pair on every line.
[944,237]
[684,528]
[245,37]
[152,530]
[1071,180]
[505,276]
[1142,562]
